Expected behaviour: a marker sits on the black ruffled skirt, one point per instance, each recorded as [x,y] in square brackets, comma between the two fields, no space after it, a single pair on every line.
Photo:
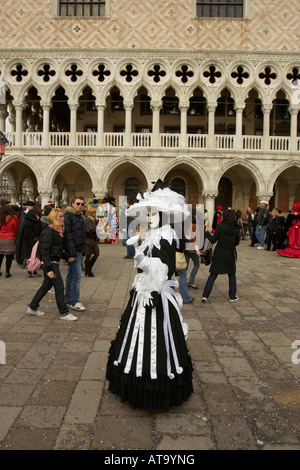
[149,365]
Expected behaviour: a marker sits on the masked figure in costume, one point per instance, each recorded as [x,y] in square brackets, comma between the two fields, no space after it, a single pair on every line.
[217,218]
[149,365]
[291,235]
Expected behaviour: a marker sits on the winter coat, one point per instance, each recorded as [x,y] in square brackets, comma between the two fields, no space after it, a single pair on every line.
[9,229]
[51,247]
[74,234]
[31,232]
[90,230]
[224,256]
[263,217]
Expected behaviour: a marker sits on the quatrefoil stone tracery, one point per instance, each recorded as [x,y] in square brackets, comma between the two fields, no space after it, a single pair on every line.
[129,73]
[19,72]
[46,73]
[212,73]
[74,73]
[267,75]
[156,73]
[184,73]
[240,75]
[101,72]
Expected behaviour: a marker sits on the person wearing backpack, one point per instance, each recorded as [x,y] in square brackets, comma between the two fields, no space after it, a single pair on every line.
[51,251]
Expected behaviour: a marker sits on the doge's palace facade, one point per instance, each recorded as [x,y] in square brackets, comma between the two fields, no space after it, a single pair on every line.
[106,97]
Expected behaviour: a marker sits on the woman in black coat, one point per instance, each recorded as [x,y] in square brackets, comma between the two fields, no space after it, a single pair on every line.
[227,235]
[31,231]
[51,249]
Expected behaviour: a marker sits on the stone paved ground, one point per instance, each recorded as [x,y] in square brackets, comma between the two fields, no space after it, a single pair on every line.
[53,392]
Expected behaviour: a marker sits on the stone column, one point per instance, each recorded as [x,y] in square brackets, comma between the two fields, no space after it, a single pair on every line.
[211,107]
[100,124]
[239,107]
[99,192]
[45,195]
[128,105]
[266,108]
[183,124]
[73,105]
[46,106]
[293,110]
[156,107]
[19,106]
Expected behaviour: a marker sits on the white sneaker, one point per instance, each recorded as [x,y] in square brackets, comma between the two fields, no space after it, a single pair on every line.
[260,247]
[78,306]
[204,299]
[37,312]
[68,317]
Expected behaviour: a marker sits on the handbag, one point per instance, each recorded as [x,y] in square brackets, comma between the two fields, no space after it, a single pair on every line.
[207,254]
[180,261]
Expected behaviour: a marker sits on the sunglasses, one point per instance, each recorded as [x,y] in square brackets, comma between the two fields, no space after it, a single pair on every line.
[80,203]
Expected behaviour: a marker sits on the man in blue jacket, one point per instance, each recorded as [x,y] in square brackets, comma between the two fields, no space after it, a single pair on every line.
[74,245]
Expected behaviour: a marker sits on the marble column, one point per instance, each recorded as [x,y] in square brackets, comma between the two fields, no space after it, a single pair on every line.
[46,106]
[100,124]
[183,124]
[266,108]
[128,105]
[156,107]
[19,106]
[211,107]
[73,105]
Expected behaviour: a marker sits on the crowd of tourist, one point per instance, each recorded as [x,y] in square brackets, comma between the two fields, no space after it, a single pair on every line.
[21,226]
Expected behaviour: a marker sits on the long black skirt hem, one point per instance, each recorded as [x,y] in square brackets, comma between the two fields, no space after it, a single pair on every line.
[159,394]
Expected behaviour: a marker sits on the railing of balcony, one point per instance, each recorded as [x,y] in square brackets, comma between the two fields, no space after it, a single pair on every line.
[145,140]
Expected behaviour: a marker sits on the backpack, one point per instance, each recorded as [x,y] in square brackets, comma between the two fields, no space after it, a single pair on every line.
[34,262]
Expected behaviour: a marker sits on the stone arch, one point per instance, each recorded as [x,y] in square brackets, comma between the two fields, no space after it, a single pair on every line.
[13,159]
[250,167]
[112,166]
[194,176]
[278,171]
[58,165]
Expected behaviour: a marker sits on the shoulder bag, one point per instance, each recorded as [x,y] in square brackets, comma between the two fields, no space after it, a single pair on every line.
[180,261]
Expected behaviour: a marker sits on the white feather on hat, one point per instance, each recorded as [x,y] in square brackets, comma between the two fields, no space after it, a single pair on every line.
[162,200]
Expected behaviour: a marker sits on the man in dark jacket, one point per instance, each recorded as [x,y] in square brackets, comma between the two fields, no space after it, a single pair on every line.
[74,245]
[262,222]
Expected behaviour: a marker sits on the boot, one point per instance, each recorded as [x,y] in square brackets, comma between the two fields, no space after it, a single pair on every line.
[92,262]
[88,272]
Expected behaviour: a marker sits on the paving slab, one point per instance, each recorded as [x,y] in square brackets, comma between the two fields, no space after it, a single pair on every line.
[53,391]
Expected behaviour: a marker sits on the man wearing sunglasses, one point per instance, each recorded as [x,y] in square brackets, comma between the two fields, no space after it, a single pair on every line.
[74,244]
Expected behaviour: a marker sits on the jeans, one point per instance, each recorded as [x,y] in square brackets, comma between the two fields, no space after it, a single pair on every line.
[210,282]
[73,280]
[183,286]
[260,234]
[196,260]
[58,284]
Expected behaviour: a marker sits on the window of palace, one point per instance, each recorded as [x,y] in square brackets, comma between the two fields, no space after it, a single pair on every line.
[222,8]
[80,8]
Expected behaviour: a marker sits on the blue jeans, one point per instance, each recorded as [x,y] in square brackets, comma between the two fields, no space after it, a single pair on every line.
[183,286]
[73,280]
[196,260]
[260,234]
[210,282]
